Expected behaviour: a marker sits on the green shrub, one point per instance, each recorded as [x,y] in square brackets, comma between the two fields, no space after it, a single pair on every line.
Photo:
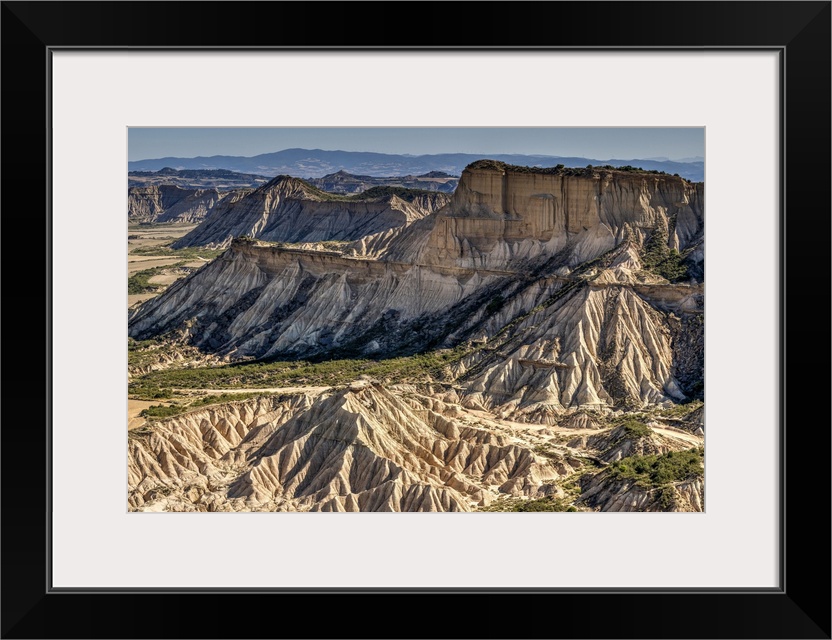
[408,195]
[143,390]
[139,282]
[520,505]
[666,497]
[681,410]
[222,398]
[300,373]
[541,504]
[187,253]
[494,305]
[657,470]
[161,411]
[657,257]
[635,429]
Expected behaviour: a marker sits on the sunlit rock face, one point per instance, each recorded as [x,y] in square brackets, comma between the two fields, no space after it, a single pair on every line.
[541,280]
[359,449]
[498,216]
[552,254]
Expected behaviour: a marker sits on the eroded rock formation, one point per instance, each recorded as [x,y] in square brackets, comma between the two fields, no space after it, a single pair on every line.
[362,448]
[537,278]
[289,210]
[169,203]
[499,254]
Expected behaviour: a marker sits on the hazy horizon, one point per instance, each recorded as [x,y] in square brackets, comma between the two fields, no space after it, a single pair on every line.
[601,143]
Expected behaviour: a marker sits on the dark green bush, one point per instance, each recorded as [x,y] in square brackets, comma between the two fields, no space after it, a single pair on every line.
[160,411]
[658,470]
[291,373]
[542,504]
[494,305]
[139,282]
[635,429]
[519,505]
[408,195]
[658,258]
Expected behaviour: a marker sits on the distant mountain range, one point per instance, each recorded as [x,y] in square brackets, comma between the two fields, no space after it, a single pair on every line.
[316,163]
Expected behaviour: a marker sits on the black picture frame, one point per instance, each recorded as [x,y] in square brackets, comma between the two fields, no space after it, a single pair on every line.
[799,608]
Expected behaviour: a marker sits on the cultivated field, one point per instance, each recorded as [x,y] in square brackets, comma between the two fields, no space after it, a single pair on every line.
[152,266]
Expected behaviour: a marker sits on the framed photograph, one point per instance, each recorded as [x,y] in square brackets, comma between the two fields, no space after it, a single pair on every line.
[628,517]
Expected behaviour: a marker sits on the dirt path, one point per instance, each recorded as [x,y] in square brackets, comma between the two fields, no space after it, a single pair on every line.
[696,441]
[259,390]
[135,407]
[147,262]
[165,278]
[133,298]
[487,418]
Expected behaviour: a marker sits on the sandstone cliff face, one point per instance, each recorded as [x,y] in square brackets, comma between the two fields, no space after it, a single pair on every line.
[169,203]
[499,217]
[287,210]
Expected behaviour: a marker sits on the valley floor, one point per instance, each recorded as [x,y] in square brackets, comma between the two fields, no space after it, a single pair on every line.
[146,250]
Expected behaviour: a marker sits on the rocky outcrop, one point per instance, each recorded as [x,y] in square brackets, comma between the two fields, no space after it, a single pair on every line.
[604,495]
[290,210]
[265,301]
[663,476]
[591,348]
[169,203]
[624,441]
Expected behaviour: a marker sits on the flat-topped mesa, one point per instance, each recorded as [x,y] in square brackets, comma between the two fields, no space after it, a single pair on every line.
[500,213]
[288,209]
[346,183]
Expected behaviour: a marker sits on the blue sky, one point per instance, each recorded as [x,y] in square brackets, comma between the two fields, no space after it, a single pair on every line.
[599,143]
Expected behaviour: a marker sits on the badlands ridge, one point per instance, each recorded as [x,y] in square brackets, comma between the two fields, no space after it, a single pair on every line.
[558,313]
